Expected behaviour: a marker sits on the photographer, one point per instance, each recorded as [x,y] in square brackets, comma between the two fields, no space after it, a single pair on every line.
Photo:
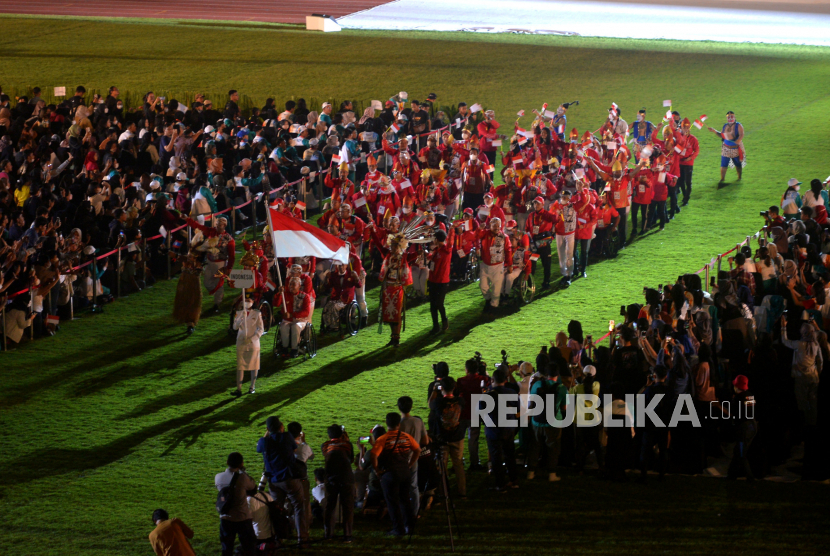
[338,452]
[500,439]
[171,536]
[393,456]
[474,381]
[277,448]
[414,427]
[445,426]
[238,520]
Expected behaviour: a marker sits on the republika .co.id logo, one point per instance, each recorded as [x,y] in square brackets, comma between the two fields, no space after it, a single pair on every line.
[513,410]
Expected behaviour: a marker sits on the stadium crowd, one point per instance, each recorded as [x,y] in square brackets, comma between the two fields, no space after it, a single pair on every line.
[98,199]
[95,198]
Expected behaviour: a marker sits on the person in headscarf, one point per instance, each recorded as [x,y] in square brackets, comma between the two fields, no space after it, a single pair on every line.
[806,367]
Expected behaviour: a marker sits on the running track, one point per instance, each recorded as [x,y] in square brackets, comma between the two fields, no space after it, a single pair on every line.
[275,11]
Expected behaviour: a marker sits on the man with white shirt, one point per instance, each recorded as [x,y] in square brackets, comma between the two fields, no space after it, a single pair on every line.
[128,134]
[237,520]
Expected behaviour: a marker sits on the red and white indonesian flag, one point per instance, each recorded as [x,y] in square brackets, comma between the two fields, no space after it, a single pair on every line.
[295,238]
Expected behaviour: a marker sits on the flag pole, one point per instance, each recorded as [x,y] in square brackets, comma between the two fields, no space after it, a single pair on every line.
[276,260]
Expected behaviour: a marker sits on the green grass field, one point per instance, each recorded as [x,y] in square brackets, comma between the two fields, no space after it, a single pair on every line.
[121,413]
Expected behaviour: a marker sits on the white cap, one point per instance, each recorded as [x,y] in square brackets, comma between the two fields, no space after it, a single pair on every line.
[181,176]
[149,197]
[326,105]
[89,250]
[403,95]
[589,370]
[210,129]
[793,182]
[313,141]
[305,170]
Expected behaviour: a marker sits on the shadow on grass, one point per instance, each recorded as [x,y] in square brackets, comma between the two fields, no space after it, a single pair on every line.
[51,462]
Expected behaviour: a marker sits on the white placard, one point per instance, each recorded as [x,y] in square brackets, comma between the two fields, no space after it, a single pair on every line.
[475,108]
[242,278]
[60,91]
[496,143]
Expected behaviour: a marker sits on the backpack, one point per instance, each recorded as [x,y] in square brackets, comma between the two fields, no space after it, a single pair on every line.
[225,498]
[279,518]
[450,418]
[547,387]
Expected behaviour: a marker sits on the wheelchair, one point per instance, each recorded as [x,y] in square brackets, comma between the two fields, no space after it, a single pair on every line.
[465,271]
[265,310]
[306,346]
[525,288]
[608,245]
[349,320]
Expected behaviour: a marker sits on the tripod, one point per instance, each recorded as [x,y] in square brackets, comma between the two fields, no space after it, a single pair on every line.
[448,503]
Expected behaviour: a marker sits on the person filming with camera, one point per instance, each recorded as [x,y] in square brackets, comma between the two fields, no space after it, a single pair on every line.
[233,485]
[393,456]
[277,448]
[446,427]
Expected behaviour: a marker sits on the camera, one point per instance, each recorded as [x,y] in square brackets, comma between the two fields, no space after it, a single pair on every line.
[764,213]
[263,481]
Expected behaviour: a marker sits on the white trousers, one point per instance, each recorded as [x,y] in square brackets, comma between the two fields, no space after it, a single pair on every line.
[521,220]
[510,277]
[290,333]
[565,250]
[419,279]
[492,279]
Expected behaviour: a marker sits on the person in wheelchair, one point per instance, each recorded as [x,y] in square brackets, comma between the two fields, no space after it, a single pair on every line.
[520,266]
[306,284]
[296,314]
[342,283]
[465,242]
[608,218]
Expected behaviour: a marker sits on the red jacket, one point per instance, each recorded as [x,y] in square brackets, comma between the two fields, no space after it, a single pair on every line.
[475,177]
[692,149]
[439,261]
[298,306]
[565,218]
[351,230]
[585,221]
[487,134]
[484,215]
[491,254]
[342,286]
[539,222]
[643,192]
[467,240]
[605,216]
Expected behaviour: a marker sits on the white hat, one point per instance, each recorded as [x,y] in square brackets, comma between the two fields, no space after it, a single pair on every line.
[149,197]
[589,370]
[89,250]
[793,182]
[403,95]
[305,170]
[210,129]
[155,184]
[326,105]
[181,176]
[313,141]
